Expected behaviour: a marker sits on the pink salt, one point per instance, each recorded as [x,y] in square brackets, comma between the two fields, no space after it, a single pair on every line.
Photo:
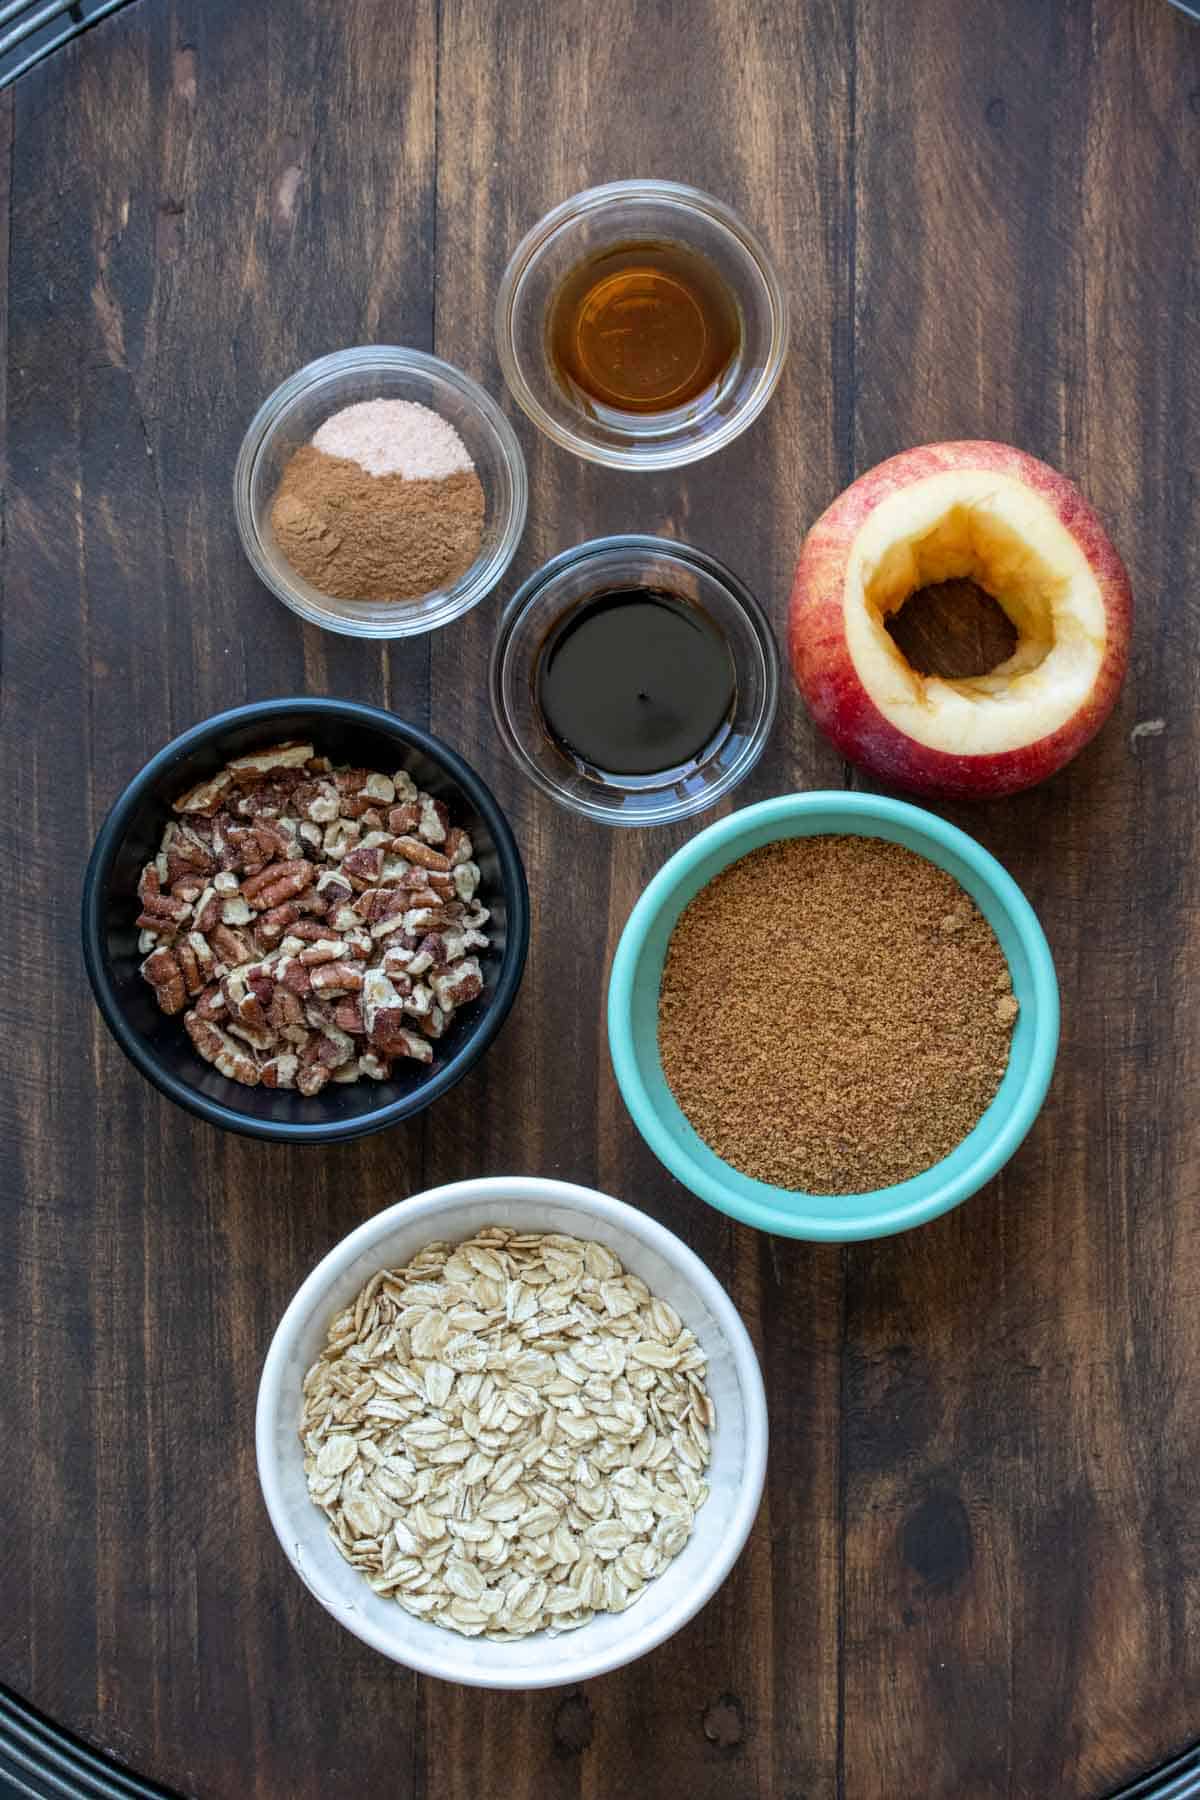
[395,437]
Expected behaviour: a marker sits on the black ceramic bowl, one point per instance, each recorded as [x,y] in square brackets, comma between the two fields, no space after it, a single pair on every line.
[159,1046]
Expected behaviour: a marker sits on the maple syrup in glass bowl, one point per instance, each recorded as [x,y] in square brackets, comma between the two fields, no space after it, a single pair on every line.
[641,324]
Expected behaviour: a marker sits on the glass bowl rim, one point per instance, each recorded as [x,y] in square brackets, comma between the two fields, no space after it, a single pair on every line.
[686,199]
[597,549]
[460,596]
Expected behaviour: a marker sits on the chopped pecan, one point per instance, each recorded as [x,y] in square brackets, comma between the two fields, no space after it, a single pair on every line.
[285,1012]
[463,981]
[340,837]
[281,881]
[189,968]
[265,801]
[163,909]
[321,950]
[161,969]
[312,1074]
[149,886]
[272,925]
[331,978]
[242,1002]
[299,970]
[361,792]
[280,1071]
[211,1003]
[205,797]
[434,1022]
[435,820]
[424,855]
[317,801]
[292,754]
[233,947]
[333,887]
[363,867]
[466,880]
[347,1015]
[224,1052]
[391,1036]
[308,931]
[457,846]
[295,977]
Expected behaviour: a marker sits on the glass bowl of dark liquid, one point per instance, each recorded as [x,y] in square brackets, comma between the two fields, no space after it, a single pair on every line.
[635,680]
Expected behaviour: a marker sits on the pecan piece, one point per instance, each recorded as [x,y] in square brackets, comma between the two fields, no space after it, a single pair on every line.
[458,846]
[281,881]
[434,1022]
[205,797]
[340,837]
[321,950]
[363,867]
[161,969]
[280,1071]
[424,855]
[347,1016]
[462,982]
[435,820]
[231,945]
[317,801]
[189,968]
[272,925]
[295,977]
[211,1004]
[312,1074]
[289,755]
[466,880]
[332,978]
[286,1012]
[405,817]
[219,1048]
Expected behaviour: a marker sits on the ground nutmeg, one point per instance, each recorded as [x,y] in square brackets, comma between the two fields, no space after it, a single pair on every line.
[835,1014]
[383,504]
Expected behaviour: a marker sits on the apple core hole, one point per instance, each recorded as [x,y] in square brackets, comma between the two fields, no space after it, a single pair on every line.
[953,629]
[967,601]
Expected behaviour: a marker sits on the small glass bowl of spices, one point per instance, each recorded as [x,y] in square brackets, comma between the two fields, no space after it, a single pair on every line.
[641,324]
[380,492]
[634,679]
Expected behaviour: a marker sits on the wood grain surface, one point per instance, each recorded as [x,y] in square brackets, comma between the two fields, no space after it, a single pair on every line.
[976,1571]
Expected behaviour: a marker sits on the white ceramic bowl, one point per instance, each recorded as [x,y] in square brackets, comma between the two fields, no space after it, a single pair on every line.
[739,1442]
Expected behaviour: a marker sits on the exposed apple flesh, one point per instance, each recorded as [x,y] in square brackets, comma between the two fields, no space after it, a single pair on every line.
[1023,533]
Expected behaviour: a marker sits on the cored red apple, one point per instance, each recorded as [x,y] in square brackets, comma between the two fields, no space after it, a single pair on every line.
[1026,535]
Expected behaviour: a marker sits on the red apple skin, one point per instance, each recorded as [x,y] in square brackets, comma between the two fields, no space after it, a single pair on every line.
[827,678]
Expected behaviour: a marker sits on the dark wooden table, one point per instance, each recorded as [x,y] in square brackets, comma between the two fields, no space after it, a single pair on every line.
[977,1568]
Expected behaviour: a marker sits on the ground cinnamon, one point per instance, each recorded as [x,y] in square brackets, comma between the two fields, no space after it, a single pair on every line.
[835,1014]
[357,536]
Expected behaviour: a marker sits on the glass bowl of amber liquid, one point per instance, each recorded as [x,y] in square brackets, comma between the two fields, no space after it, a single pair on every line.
[634,680]
[641,324]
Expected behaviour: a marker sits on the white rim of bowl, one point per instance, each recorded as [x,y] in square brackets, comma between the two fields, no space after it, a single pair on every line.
[687,199]
[432,1204]
[459,598]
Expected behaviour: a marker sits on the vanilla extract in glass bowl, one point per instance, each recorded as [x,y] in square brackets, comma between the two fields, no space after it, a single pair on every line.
[634,679]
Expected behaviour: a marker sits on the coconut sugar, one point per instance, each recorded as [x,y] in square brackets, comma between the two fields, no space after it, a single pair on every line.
[835,1014]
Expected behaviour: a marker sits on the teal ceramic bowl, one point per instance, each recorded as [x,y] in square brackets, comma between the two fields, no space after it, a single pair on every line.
[633,1019]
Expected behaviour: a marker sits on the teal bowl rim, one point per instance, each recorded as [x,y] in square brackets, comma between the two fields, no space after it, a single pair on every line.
[886,1210]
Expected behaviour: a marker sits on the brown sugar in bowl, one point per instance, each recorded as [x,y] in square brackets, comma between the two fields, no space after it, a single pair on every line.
[634,1005]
